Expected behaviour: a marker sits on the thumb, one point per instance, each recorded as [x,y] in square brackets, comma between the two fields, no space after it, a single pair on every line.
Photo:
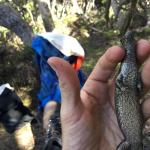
[68,82]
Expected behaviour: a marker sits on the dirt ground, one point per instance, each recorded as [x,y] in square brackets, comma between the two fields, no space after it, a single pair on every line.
[9,142]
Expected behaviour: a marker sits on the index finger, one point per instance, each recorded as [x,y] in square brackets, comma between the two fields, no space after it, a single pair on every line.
[105,67]
[107,64]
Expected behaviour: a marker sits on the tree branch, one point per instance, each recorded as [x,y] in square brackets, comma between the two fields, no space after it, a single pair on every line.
[9,18]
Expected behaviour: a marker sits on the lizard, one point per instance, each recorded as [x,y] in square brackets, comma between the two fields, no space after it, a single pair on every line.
[127,102]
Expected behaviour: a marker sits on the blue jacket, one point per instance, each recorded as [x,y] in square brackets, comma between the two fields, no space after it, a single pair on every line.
[49,86]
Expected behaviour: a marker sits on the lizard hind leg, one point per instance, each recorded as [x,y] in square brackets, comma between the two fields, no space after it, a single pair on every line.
[124,146]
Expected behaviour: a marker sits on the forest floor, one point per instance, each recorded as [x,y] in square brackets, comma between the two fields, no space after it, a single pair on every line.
[24,76]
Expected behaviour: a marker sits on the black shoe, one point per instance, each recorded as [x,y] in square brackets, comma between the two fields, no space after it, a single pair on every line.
[53,134]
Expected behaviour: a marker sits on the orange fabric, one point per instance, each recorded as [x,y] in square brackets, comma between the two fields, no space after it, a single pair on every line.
[77,65]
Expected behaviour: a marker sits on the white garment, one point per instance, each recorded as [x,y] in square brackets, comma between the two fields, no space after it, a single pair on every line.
[64,43]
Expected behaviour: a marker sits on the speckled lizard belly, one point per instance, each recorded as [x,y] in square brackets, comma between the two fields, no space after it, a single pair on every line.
[127,104]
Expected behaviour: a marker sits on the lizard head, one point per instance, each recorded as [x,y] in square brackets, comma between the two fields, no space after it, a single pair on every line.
[128,40]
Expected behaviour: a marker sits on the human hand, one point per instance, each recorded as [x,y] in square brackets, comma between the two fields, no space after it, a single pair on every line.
[88,115]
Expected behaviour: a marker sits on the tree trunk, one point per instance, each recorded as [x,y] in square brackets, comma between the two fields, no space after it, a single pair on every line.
[46,16]
[107,7]
[9,18]
[129,17]
[115,8]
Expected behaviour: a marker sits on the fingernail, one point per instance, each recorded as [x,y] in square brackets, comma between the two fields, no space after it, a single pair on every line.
[51,64]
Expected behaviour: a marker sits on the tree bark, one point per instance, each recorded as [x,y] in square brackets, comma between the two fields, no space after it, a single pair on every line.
[108,4]
[129,17]
[115,8]
[9,18]
[46,16]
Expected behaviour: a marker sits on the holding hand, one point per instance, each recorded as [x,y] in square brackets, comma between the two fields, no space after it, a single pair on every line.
[88,116]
